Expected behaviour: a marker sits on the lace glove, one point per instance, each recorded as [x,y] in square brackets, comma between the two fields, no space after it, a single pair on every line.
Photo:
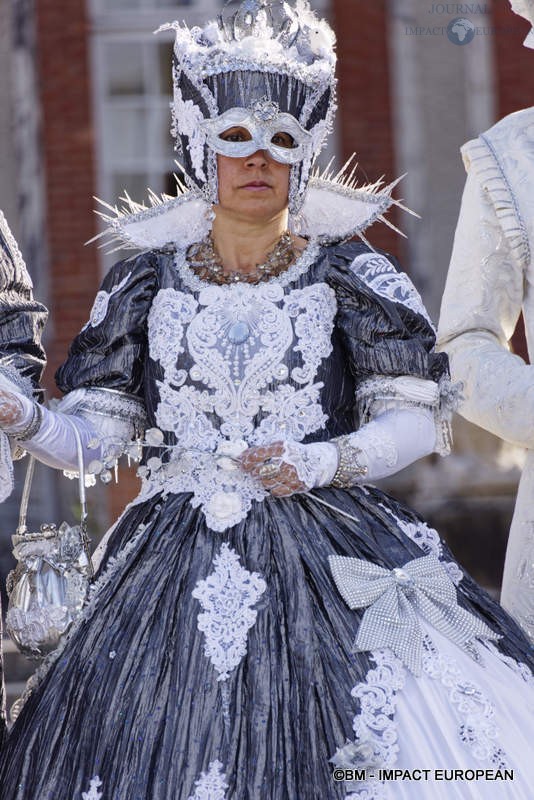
[45,434]
[285,468]
[387,444]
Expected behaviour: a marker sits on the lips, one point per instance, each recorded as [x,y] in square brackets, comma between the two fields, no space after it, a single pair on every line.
[256,185]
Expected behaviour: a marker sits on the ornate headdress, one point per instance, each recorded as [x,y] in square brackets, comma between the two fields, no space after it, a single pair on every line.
[268,67]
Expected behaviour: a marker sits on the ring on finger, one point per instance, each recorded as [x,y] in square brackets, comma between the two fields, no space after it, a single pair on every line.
[268,470]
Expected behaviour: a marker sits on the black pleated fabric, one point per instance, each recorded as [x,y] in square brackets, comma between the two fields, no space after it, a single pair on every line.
[133,698]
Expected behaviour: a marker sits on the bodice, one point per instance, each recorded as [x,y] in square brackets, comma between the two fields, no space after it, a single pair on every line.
[230,367]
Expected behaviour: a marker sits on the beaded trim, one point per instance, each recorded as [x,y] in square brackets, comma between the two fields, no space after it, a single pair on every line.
[349,469]
[33,425]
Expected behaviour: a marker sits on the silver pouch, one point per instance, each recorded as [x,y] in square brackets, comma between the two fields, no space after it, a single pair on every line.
[48,587]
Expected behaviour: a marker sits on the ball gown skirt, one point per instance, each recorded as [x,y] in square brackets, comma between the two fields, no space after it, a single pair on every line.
[220,666]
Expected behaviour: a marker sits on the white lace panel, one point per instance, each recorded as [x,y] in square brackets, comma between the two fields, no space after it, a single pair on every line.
[93,793]
[477,728]
[227,596]
[211,785]
[375,742]
[239,389]
[382,277]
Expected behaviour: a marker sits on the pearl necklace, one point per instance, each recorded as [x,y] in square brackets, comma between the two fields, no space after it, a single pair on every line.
[205,261]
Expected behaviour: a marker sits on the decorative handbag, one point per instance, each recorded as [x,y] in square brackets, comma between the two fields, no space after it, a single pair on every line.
[48,587]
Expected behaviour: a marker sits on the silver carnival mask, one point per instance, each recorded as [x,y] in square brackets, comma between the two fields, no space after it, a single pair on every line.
[263,124]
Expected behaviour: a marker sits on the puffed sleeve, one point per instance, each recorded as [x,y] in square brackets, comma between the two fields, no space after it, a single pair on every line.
[103,374]
[110,350]
[22,319]
[388,339]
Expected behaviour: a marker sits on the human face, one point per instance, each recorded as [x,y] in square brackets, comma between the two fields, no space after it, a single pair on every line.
[255,186]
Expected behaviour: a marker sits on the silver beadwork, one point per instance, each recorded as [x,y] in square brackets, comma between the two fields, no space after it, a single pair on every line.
[349,470]
[33,426]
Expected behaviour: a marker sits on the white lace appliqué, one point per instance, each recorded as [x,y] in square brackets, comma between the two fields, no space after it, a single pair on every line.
[376,442]
[477,729]
[211,785]
[188,117]
[101,303]
[93,793]
[375,742]
[227,597]
[238,388]
[382,277]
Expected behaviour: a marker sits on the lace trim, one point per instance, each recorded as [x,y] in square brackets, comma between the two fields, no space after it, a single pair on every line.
[105,402]
[482,156]
[519,667]
[477,729]
[300,267]
[6,468]
[93,793]
[373,790]
[375,742]
[382,393]
[117,417]
[211,785]
[428,539]
[227,596]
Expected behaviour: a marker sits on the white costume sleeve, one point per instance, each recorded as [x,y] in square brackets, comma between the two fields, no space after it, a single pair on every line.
[106,421]
[480,309]
[397,434]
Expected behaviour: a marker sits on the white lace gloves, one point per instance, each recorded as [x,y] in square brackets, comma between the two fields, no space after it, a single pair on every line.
[390,442]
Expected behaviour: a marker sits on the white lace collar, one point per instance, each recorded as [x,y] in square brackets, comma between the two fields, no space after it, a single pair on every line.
[195,284]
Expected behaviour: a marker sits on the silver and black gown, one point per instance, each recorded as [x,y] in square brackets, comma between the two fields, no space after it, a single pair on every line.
[215,655]
[22,357]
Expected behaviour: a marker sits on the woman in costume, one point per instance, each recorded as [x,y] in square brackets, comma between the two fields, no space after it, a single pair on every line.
[263,614]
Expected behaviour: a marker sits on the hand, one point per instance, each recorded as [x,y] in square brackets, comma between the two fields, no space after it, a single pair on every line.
[266,464]
[11,409]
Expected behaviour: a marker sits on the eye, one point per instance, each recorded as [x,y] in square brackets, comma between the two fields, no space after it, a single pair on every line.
[236,134]
[283,140]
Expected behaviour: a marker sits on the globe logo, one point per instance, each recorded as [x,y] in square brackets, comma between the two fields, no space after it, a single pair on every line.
[461,31]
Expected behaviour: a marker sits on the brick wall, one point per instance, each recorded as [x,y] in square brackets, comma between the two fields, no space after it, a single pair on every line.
[68,147]
[364,96]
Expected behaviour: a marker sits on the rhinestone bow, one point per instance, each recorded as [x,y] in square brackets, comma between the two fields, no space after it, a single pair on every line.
[396,600]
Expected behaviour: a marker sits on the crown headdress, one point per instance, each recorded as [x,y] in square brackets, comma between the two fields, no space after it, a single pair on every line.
[266,52]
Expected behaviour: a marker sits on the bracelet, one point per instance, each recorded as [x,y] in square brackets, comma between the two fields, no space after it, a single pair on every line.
[348,469]
[33,425]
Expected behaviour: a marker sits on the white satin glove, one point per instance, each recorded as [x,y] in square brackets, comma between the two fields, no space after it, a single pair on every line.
[54,443]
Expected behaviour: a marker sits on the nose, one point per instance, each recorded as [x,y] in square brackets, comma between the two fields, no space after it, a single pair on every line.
[259,158]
